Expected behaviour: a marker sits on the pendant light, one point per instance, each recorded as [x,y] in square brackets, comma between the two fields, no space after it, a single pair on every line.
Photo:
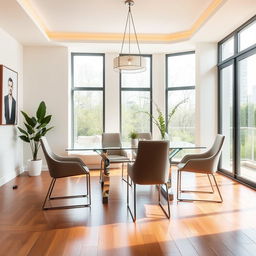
[129,62]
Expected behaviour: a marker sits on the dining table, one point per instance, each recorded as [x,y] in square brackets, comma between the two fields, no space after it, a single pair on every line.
[174,149]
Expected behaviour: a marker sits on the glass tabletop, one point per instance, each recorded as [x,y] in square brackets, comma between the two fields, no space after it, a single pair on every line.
[173,145]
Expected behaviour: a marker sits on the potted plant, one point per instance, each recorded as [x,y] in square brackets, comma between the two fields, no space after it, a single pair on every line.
[36,127]
[134,138]
[160,122]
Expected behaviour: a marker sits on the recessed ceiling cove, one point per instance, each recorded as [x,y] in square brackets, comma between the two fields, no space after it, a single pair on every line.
[103,20]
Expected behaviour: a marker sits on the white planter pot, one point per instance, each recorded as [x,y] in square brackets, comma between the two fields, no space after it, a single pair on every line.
[134,143]
[34,167]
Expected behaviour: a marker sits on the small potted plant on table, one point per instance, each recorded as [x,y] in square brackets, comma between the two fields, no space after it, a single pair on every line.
[134,138]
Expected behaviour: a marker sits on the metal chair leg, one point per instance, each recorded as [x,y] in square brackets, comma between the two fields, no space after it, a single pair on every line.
[89,188]
[49,192]
[210,182]
[221,199]
[125,180]
[134,200]
[200,191]
[54,180]
[199,200]
[168,215]
[178,185]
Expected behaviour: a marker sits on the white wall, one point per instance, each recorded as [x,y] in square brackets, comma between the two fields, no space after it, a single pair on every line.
[206,93]
[112,93]
[11,151]
[46,78]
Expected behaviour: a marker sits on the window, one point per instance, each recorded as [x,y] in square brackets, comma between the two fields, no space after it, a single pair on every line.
[247,36]
[227,48]
[180,72]
[237,105]
[87,99]
[136,99]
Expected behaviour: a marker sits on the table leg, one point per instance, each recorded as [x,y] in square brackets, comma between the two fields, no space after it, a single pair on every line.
[104,176]
[105,184]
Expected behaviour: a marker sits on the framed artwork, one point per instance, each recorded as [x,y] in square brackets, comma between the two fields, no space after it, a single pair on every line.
[8,96]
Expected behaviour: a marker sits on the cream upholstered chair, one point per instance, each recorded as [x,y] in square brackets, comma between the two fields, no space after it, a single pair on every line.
[115,156]
[151,167]
[206,163]
[61,167]
[141,136]
[144,136]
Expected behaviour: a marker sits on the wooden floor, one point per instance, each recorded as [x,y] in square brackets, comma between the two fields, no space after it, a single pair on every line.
[194,228]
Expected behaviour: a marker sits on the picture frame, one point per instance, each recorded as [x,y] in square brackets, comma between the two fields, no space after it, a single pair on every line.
[8,96]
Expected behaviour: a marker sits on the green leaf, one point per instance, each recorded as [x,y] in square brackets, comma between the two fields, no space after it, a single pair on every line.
[22,131]
[24,138]
[37,136]
[41,111]
[46,130]
[34,121]
[30,121]
[46,120]
[29,129]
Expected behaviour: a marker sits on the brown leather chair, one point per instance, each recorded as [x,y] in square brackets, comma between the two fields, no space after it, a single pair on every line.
[151,167]
[206,163]
[115,156]
[61,167]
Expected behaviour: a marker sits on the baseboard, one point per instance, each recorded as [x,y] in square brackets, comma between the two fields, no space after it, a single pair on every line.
[6,178]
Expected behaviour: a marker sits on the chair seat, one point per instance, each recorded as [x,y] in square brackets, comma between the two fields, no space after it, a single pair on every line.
[117,159]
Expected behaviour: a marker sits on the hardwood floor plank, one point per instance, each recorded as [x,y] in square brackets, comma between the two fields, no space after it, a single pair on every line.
[198,228]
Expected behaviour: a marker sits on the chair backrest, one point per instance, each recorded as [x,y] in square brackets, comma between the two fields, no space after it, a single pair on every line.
[214,152]
[112,140]
[49,156]
[216,147]
[144,136]
[152,163]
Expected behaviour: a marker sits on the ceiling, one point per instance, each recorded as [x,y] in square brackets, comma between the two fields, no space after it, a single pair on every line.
[101,16]
[161,24]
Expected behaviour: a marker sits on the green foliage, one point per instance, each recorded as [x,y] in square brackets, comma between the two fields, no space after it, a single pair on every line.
[36,127]
[159,121]
[133,117]
[88,114]
[133,135]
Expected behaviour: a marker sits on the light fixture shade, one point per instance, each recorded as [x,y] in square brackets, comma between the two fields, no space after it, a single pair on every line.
[129,63]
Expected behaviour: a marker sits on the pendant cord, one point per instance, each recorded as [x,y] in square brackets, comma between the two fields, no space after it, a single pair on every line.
[135,34]
[129,18]
[125,28]
[129,13]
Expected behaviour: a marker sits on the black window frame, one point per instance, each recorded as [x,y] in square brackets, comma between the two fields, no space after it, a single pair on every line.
[174,88]
[73,89]
[149,89]
[233,60]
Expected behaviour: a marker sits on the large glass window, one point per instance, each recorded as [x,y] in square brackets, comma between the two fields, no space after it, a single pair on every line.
[237,105]
[247,120]
[247,36]
[227,108]
[228,48]
[136,99]
[181,88]
[87,99]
